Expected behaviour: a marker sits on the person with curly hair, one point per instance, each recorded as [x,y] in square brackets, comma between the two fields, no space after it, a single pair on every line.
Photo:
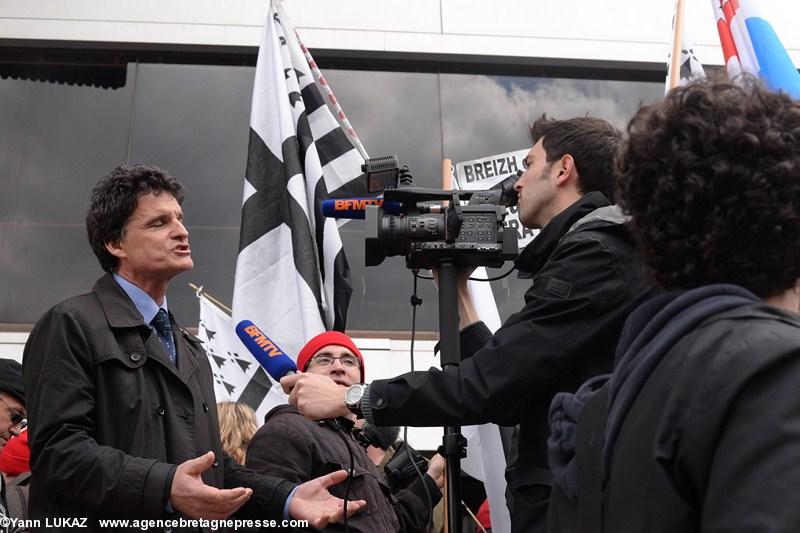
[237,425]
[702,428]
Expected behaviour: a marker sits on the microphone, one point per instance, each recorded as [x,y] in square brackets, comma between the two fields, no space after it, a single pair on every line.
[269,356]
[353,208]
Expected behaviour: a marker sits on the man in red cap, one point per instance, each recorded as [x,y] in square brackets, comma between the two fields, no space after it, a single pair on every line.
[16,469]
[328,347]
[15,456]
[12,415]
[296,448]
[12,400]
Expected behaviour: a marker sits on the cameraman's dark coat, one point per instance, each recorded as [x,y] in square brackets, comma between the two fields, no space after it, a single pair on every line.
[298,449]
[111,416]
[586,279]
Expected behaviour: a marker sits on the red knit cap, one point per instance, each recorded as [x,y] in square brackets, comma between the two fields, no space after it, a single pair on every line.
[328,338]
[15,456]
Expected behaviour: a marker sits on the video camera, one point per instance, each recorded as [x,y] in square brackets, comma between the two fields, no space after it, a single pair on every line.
[400,470]
[424,231]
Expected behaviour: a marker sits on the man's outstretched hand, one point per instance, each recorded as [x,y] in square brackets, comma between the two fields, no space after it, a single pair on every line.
[314,503]
[190,496]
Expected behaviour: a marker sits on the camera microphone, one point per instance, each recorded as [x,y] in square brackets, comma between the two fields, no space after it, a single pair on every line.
[269,356]
[353,208]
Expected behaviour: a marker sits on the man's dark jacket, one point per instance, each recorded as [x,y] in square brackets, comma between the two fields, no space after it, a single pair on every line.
[111,417]
[298,449]
[711,441]
[706,431]
[586,279]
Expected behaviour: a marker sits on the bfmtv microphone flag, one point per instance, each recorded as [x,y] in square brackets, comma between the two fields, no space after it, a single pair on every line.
[292,278]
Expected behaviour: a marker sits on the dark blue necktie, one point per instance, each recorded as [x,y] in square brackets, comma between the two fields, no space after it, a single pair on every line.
[164,330]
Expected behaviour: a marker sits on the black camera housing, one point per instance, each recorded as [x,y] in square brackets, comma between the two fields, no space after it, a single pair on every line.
[473,234]
[381,173]
[400,471]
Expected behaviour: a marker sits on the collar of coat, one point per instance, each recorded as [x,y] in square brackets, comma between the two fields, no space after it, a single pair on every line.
[536,254]
[117,306]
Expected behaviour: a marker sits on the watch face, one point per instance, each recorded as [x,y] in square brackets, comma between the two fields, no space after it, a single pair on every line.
[354,394]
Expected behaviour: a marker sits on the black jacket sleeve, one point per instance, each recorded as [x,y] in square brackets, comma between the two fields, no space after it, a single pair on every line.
[577,298]
[269,493]
[473,338]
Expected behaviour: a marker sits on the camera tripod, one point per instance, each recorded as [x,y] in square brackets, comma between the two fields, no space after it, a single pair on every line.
[454,445]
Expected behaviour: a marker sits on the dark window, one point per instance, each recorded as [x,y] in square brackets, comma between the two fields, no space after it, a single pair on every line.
[193,120]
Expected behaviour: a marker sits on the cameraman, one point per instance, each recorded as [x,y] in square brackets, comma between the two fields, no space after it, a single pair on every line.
[293,447]
[586,279]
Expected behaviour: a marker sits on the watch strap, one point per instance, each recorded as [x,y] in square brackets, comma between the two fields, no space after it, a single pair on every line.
[366,407]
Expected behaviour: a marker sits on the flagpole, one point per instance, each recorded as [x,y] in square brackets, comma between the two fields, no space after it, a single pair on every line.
[447,183]
[447,174]
[474,518]
[677,43]
[200,291]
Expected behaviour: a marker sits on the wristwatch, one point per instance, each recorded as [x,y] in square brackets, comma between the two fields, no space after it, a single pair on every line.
[352,398]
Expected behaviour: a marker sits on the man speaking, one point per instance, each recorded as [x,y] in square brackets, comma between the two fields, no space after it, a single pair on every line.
[586,279]
[121,403]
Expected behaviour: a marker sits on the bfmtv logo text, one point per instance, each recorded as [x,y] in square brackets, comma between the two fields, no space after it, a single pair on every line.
[266,345]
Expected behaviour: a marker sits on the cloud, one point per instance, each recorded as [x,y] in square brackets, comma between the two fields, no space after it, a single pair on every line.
[485,115]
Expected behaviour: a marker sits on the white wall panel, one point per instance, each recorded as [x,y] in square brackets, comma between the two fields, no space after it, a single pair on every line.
[12,344]
[626,30]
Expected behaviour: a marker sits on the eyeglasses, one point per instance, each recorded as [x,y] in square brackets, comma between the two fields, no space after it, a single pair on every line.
[18,420]
[348,361]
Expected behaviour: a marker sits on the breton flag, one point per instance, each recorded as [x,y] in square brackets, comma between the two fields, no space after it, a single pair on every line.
[292,278]
[688,67]
[750,44]
[237,375]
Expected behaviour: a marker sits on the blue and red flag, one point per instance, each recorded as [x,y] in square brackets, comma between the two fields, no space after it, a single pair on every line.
[750,44]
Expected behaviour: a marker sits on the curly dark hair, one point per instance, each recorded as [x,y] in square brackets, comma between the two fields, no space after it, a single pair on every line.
[113,201]
[711,179]
[592,142]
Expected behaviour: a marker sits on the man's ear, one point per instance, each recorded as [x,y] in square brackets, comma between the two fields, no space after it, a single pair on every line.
[567,172]
[115,249]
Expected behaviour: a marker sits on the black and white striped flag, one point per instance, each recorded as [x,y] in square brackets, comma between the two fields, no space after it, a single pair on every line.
[292,278]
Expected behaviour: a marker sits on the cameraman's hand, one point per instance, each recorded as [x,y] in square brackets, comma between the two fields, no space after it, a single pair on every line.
[315,396]
[436,470]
